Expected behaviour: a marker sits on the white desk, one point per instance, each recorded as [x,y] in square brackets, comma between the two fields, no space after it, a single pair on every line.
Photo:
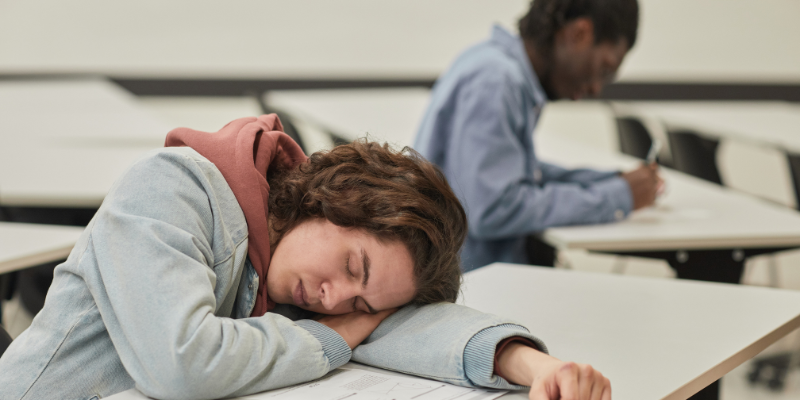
[652,338]
[391,115]
[63,143]
[692,214]
[25,245]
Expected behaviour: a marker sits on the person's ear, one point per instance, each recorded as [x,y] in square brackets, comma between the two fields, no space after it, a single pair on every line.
[579,33]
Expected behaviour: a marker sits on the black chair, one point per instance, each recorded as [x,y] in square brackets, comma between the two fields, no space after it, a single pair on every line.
[694,155]
[5,340]
[634,139]
[794,168]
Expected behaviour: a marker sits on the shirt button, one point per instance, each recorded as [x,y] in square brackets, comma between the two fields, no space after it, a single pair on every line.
[250,286]
[619,215]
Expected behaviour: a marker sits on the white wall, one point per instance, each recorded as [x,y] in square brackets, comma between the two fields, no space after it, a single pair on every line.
[680,40]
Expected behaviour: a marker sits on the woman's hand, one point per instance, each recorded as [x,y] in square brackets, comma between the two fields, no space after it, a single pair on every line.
[355,326]
[551,378]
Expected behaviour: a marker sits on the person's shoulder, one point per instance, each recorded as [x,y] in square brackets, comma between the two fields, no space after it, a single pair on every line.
[486,67]
[170,164]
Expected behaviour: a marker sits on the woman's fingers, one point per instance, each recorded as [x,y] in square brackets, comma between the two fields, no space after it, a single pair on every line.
[568,378]
[572,382]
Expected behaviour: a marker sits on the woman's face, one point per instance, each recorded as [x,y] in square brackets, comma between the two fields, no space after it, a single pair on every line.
[322,267]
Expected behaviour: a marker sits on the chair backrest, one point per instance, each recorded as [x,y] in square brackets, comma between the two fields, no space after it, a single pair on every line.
[794,168]
[694,155]
[5,340]
[634,139]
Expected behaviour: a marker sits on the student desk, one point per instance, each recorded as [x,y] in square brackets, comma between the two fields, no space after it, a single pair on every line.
[651,337]
[64,142]
[25,245]
[703,230]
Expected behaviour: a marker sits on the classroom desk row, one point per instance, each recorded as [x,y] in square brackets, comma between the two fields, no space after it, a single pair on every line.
[770,128]
[703,230]
[581,316]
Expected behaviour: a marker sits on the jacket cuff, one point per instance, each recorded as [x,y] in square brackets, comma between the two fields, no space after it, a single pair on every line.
[620,199]
[333,345]
[480,351]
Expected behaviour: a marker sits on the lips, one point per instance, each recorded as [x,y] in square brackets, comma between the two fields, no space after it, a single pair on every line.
[299,295]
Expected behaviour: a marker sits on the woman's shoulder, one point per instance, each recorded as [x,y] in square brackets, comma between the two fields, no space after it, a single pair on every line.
[170,171]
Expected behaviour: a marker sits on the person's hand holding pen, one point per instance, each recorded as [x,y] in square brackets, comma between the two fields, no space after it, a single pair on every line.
[645,183]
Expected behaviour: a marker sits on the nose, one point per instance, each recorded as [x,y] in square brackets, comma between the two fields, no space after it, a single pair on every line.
[335,293]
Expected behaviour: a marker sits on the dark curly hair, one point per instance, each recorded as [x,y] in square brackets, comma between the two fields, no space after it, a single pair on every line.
[612,19]
[393,195]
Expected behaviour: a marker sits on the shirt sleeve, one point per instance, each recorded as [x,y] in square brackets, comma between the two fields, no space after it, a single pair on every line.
[489,166]
[154,284]
[443,341]
[585,176]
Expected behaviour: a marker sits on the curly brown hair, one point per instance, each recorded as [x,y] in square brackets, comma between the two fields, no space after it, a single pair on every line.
[393,195]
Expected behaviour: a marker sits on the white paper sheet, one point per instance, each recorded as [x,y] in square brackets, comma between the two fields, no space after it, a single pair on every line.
[356,384]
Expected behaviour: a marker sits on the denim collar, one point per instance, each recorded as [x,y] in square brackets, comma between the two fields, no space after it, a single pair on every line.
[513,46]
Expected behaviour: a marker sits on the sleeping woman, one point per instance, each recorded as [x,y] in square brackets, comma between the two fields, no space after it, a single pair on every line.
[230,263]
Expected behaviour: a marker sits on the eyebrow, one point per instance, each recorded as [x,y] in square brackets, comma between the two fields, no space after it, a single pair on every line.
[365,266]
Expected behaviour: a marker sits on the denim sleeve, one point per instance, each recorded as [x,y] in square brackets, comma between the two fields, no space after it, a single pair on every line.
[154,285]
[585,176]
[488,165]
[447,342]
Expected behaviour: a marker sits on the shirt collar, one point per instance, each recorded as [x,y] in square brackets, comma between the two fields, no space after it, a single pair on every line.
[514,47]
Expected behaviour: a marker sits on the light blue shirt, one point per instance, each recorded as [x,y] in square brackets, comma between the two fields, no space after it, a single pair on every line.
[479,130]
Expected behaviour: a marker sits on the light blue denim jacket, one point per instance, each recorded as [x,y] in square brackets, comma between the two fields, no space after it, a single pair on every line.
[479,129]
[157,292]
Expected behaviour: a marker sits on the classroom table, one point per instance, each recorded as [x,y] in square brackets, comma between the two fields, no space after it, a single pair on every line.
[390,115]
[651,337]
[702,230]
[64,142]
[25,245]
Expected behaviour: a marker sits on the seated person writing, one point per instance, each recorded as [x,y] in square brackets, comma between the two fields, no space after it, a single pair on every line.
[483,111]
[196,277]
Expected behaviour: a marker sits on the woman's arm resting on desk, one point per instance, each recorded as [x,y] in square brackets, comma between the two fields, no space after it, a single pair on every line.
[551,378]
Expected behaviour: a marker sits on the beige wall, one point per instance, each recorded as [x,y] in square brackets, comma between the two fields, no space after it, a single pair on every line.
[695,40]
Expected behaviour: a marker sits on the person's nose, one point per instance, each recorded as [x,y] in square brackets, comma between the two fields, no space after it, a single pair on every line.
[336,293]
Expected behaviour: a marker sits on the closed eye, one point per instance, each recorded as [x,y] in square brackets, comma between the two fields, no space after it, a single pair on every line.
[347,267]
